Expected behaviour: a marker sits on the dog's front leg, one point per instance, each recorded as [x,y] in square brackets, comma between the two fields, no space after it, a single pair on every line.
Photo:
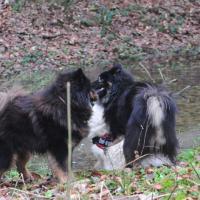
[22,159]
[58,163]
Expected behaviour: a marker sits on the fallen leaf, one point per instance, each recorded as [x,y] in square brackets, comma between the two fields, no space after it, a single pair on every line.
[149,170]
[158,186]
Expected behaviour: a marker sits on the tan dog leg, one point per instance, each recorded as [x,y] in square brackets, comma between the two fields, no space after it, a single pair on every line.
[21,162]
[57,171]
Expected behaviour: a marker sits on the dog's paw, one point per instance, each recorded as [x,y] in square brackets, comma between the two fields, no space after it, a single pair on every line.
[63,179]
[28,177]
[31,176]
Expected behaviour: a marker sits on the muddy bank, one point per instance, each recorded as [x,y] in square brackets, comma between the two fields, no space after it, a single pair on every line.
[189,139]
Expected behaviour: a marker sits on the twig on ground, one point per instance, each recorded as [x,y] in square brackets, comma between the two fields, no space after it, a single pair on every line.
[147,71]
[116,35]
[161,74]
[23,181]
[173,191]
[193,182]
[176,182]
[101,190]
[136,159]
[160,196]
[108,191]
[145,134]
[45,37]
[172,81]
[24,192]
[16,185]
[195,171]
[181,91]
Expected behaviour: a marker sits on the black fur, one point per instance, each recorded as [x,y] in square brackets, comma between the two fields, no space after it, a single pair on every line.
[37,123]
[126,112]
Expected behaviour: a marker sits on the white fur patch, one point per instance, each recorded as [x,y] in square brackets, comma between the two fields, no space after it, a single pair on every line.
[97,125]
[155,111]
[156,116]
[155,160]
[113,158]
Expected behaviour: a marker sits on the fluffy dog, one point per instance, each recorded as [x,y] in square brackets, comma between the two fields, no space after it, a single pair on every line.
[143,113]
[37,123]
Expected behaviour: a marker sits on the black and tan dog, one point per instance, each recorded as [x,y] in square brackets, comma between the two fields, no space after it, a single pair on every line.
[37,123]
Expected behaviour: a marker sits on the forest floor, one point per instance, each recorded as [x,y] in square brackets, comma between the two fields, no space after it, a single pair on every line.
[36,35]
[157,40]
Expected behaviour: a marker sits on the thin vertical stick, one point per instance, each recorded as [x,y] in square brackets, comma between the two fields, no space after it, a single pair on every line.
[161,74]
[69,161]
[148,73]
[69,129]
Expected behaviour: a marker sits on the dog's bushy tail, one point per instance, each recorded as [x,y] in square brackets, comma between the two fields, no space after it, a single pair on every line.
[151,127]
[9,96]
[159,104]
[155,109]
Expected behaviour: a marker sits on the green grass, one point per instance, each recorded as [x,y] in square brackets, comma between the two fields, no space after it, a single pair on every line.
[32,57]
[31,80]
[176,183]
[159,180]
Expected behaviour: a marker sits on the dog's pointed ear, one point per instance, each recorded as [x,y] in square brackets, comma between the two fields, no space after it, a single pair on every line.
[79,71]
[79,75]
[117,67]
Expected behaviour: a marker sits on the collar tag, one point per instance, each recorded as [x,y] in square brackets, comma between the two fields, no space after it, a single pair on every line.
[102,142]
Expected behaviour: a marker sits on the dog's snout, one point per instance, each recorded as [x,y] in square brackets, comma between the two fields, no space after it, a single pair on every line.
[93,95]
